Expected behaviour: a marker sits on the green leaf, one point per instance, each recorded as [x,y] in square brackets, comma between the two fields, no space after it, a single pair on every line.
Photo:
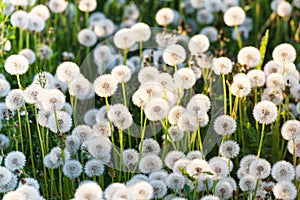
[263,48]
[184,172]
[208,173]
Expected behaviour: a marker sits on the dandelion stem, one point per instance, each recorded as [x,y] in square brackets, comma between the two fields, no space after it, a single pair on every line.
[238,36]
[125,56]
[261,140]
[225,94]
[19,82]
[30,141]
[20,129]
[141,53]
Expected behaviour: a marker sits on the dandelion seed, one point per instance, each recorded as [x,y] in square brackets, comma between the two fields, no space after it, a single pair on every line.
[284,9]
[197,168]
[294,145]
[5,175]
[241,87]
[187,122]
[29,192]
[142,31]
[158,175]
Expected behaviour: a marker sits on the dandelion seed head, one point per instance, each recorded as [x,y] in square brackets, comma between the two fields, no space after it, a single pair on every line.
[164,16]
[63,123]
[294,145]
[88,190]
[122,73]
[158,175]
[150,163]
[247,183]
[29,182]
[187,122]
[130,157]
[249,56]
[16,65]
[223,190]
[284,53]
[57,6]
[175,181]
[150,146]
[197,168]
[185,78]
[265,112]
[234,15]
[159,188]
[283,171]
[156,109]
[29,192]
[285,190]
[124,38]
[15,160]
[20,19]
[112,189]
[14,195]
[224,125]
[174,55]
[105,85]
[28,54]
[257,78]
[198,44]
[260,168]
[41,10]
[241,87]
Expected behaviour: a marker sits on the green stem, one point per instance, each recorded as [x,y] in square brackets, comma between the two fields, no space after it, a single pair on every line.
[225,94]
[30,141]
[20,129]
[261,140]
[238,36]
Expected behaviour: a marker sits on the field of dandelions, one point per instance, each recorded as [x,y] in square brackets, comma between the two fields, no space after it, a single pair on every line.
[138,100]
